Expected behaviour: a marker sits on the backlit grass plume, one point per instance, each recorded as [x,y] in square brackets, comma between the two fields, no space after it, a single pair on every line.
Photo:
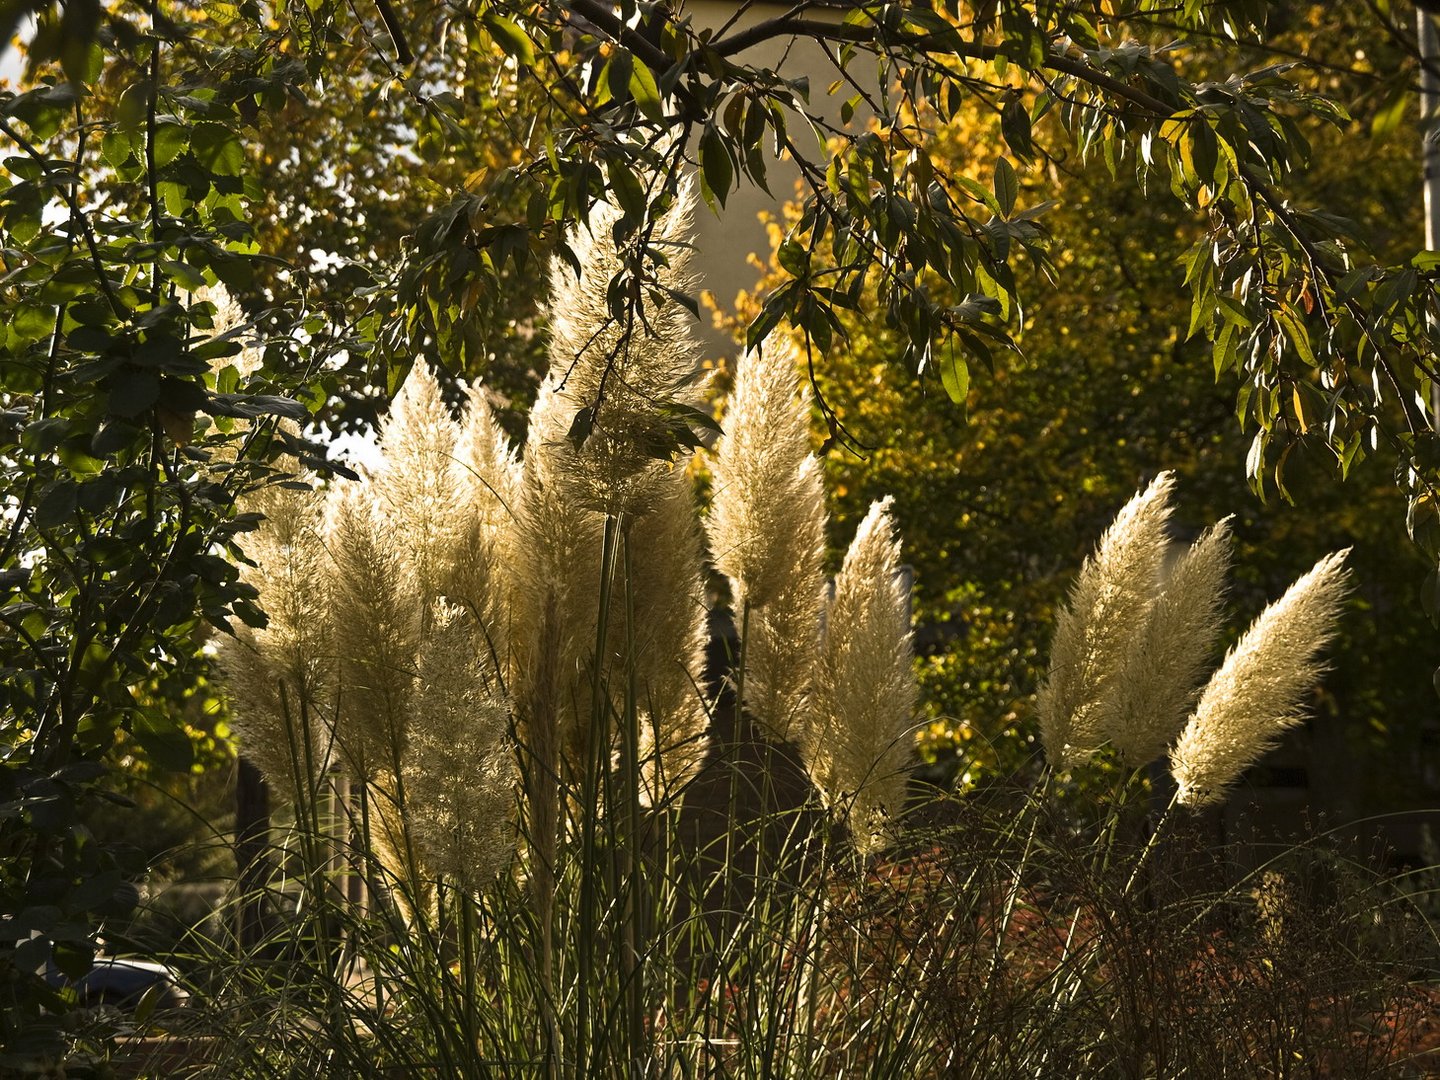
[291,651]
[767,531]
[413,482]
[627,384]
[669,632]
[460,770]
[374,613]
[1159,681]
[486,477]
[226,322]
[1256,695]
[556,568]
[1097,630]
[859,741]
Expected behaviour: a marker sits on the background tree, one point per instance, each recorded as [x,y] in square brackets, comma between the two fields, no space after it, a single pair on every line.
[1002,503]
[347,161]
[128,435]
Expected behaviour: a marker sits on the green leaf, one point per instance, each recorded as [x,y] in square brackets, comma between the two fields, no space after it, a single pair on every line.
[164,740]
[955,376]
[1222,352]
[770,315]
[512,40]
[626,187]
[1015,126]
[793,258]
[1391,115]
[644,90]
[184,274]
[170,142]
[217,147]
[132,392]
[252,405]
[717,172]
[1297,333]
[581,426]
[980,192]
[1007,186]
[57,505]
[117,146]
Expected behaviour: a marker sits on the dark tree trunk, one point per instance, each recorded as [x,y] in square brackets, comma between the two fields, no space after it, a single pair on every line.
[252,830]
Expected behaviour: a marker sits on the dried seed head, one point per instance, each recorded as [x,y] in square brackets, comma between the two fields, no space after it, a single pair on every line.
[414,482]
[285,733]
[460,768]
[1096,632]
[766,531]
[374,603]
[486,478]
[1161,678]
[859,741]
[669,633]
[624,380]
[1256,695]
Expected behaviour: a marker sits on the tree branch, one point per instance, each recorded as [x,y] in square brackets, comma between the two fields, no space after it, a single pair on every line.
[821,30]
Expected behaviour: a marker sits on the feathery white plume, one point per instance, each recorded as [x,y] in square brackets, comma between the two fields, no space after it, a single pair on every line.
[1159,682]
[1096,631]
[374,606]
[859,743]
[766,530]
[414,483]
[460,768]
[556,566]
[228,317]
[667,594]
[486,478]
[291,650]
[633,377]
[1255,697]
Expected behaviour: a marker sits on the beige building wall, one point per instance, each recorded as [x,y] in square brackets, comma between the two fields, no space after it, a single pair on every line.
[726,243]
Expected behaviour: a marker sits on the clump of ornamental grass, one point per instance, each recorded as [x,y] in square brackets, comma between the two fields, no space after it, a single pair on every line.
[505,648]
[1133,643]
[513,648]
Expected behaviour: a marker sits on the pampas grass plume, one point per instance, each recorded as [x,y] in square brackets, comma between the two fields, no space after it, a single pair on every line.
[1096,631]
[485,475]
[288,564]
[413,481]
[630,374]
[374,604]
[766,530]
[1255,696]
[858,744]
[1159,682]
[556,572]
[229,317]
[669,632]
[460,769]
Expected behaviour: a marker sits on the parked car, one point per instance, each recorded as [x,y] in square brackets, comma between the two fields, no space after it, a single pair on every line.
[122,982]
